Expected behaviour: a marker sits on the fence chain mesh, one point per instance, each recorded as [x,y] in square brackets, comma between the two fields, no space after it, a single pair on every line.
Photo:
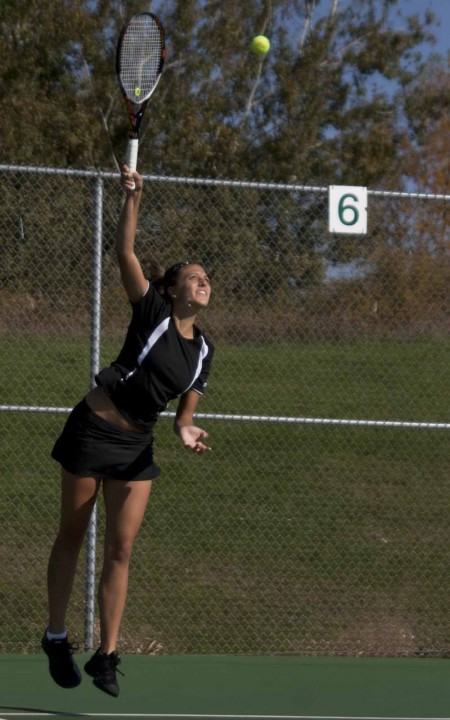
[319,523]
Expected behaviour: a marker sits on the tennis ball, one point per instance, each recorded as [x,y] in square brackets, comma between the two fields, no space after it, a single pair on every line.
[260,45]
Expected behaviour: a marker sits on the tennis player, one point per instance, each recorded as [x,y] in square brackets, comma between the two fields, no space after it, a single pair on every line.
[107,440]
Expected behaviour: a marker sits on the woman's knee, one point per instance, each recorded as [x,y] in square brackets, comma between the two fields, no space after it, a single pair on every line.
[78,496]
[118,551]
[70,537]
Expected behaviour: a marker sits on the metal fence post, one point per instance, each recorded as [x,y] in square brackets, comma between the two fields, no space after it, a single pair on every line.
[94,368]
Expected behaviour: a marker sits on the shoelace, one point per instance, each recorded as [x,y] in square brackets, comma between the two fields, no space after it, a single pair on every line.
[73,647]
[70,647]
[115,662]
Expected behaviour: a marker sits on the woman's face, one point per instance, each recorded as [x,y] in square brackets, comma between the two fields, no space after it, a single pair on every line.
[192,287]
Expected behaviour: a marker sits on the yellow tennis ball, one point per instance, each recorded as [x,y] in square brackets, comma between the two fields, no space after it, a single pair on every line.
[260,45]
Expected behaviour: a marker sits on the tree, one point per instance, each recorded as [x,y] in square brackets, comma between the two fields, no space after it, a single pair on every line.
[335,101]
[320,107]
[427,146]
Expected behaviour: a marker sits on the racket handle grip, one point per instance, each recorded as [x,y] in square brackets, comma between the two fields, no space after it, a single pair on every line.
[132,153]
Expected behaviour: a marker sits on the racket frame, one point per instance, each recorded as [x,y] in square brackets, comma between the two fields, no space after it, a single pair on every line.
[136,110]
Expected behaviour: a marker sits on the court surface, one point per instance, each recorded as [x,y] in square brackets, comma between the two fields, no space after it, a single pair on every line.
[234,687]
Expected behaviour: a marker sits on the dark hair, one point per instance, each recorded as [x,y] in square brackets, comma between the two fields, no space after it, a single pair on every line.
[170,276]
[162,281]
[156,274]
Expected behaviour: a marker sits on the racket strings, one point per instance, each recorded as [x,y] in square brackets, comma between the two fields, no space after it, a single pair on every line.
[140,58]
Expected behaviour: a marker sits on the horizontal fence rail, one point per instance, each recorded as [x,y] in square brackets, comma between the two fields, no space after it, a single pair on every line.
[262,418]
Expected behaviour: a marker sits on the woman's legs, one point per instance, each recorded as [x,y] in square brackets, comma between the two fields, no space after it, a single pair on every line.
[78,495]
[125,504]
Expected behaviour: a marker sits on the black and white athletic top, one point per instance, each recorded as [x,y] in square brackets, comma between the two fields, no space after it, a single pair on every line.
[156,364]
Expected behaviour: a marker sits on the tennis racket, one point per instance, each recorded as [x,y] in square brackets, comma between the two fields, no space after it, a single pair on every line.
[139,62]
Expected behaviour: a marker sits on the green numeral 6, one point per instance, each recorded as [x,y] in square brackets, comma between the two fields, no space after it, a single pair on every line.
[342,207]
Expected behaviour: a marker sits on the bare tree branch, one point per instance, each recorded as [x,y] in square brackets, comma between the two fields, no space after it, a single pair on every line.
[249,104]
[310,7]
[103,117]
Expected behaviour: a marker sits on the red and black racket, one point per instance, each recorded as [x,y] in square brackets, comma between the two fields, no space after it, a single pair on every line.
[139,63]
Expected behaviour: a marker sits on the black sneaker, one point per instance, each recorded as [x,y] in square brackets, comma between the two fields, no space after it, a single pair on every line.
[102,667]
[61,664]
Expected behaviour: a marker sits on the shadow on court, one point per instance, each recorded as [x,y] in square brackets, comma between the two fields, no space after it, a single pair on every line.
[230,687]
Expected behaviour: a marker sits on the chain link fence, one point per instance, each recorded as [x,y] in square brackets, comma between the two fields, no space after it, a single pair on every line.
[319,523]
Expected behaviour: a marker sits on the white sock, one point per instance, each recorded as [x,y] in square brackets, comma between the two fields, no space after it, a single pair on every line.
[56,636]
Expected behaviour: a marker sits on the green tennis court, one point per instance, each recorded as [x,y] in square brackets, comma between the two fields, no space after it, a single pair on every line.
[236,687]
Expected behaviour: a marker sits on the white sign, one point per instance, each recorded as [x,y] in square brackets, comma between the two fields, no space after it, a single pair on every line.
[347,209]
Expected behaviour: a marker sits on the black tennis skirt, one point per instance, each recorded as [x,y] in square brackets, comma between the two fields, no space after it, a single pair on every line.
[90,446]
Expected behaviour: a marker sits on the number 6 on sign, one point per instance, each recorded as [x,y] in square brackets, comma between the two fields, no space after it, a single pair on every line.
[347,209]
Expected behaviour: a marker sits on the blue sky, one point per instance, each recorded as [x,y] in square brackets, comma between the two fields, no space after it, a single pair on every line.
[441,8]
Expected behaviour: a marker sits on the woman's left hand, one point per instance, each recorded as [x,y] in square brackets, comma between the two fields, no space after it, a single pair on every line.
[192,438]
